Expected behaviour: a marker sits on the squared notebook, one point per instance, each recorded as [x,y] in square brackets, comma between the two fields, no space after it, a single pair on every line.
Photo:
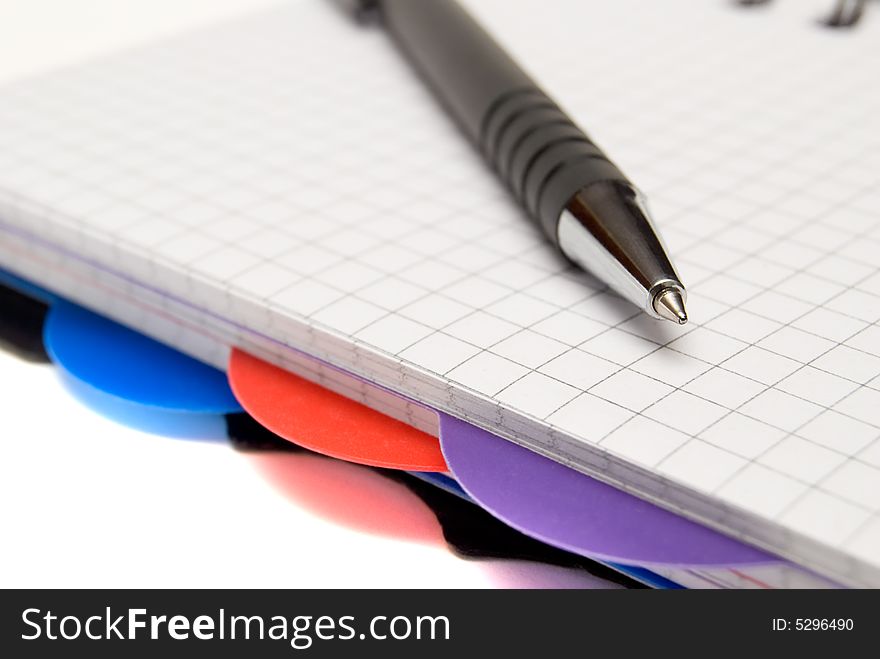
[285,183]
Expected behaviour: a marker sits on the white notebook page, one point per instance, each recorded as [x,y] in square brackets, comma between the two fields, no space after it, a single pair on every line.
[287,182]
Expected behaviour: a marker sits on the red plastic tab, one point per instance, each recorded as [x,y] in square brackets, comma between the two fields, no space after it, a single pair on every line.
[326,422]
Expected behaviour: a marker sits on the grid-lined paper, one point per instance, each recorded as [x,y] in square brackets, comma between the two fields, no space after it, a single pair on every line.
[285,180]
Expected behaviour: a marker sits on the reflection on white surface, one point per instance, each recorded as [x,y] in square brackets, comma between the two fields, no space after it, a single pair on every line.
[91,503]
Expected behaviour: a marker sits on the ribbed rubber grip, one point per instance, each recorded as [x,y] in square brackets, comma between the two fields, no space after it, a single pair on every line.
[540,154]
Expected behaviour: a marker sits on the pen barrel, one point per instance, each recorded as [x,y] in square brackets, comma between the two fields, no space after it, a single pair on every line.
[537,150]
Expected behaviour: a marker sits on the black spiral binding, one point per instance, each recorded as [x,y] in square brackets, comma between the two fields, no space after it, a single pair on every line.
[844,14]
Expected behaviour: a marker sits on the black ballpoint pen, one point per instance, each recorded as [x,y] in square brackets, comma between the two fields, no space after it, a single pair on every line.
[584,203]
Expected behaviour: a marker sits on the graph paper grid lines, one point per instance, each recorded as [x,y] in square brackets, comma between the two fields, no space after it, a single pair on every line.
[308,189]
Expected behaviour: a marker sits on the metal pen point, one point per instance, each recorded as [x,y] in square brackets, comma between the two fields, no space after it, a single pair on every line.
[670,305]
[606,228]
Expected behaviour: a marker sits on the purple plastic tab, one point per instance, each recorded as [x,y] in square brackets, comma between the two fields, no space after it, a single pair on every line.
[565,508]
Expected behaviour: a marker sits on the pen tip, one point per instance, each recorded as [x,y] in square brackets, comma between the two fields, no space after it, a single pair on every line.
[669,304]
